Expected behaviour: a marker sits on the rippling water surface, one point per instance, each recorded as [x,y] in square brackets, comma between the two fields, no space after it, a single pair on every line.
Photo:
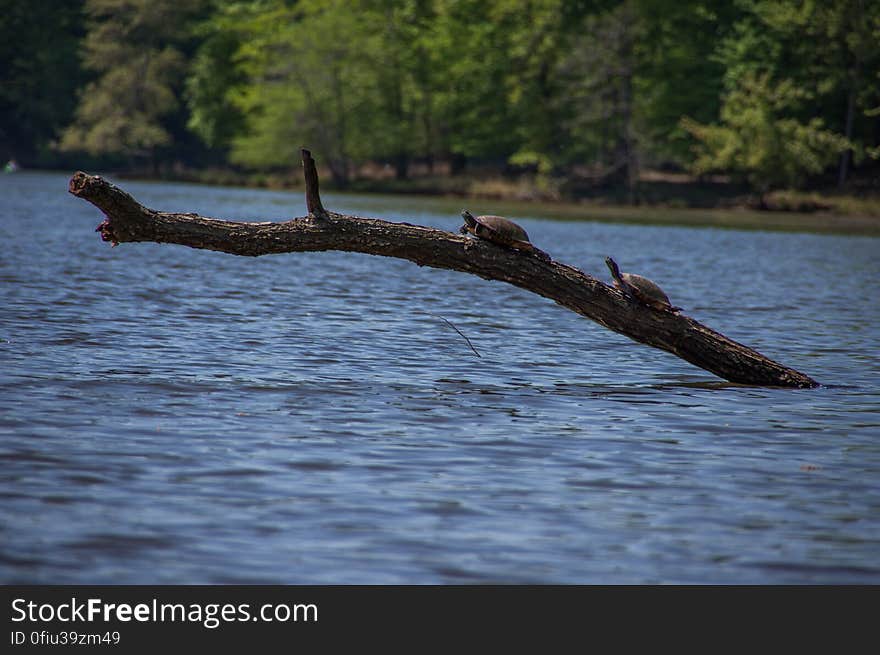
[170,415]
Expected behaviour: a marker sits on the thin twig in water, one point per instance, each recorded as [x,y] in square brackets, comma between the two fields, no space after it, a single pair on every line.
[457,330]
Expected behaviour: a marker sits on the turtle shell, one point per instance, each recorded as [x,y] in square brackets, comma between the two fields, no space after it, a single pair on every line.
[647,287]
[502,229]
[639,287]
[494,228]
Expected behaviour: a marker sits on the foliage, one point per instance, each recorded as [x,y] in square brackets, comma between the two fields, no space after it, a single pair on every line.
[134,48]
[39,75]
[575,92]
[677,73]
[758,140]
[214,79]
[830,50]
[596,102]
[300,74]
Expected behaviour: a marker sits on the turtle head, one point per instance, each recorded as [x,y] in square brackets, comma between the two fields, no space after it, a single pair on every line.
[468,217]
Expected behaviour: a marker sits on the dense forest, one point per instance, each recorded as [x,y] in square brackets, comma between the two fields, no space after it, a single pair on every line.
[574,94]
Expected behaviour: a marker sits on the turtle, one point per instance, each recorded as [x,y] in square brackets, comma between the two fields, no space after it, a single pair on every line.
[641,288]
[501,231]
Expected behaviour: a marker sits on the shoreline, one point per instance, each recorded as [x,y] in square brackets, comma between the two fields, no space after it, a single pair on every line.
[724,218]
[680,203]
[726,215]
[737,216]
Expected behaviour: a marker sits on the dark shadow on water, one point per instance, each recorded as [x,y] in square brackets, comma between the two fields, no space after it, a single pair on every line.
[639,389]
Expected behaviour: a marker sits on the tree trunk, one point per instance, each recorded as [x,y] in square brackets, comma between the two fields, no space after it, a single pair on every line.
[630,155]
[401,166]
[339,172]
[457,163]
[129,221]
[627,67]
[846,155]
[857,41]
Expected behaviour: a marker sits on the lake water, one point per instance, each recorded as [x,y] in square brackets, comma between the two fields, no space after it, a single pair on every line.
[177,416]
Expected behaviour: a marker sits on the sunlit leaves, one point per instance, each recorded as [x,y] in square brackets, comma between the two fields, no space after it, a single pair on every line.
[134,47]
[555,87]
[757,141]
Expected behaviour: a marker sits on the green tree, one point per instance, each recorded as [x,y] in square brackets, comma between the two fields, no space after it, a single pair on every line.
[215,77]
[597,101]
[401,56]
[136,48]
[760,141]
[354,80]
[677,72]
[611,81]
[39,75]
[475,115]
[831,49]
[309,80]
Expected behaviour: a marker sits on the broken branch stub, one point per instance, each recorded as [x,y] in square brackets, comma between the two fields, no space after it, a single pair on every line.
[313,196]
[128,221]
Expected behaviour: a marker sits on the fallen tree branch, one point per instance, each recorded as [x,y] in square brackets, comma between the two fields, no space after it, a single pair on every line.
[128,221]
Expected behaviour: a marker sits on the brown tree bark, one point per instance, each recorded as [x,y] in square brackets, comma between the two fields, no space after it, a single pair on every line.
[129,221]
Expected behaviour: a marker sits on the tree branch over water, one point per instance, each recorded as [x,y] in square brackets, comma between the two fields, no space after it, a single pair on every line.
[128,221]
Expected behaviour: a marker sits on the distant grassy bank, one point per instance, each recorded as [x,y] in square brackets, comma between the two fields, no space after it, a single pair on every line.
[661,200]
